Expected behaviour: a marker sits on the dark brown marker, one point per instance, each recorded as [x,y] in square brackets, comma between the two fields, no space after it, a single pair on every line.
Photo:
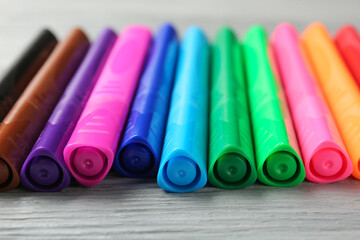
[18,76]
[23,124]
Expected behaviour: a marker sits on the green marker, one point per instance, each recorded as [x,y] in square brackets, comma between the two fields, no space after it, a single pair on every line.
[276,149]
[231,157]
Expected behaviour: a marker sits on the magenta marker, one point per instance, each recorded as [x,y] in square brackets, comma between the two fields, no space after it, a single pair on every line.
[90,151]
[44,169]
[324,157]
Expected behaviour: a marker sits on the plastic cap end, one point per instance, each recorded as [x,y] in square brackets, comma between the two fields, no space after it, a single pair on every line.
[231,167]
[4,171]
[44,171]
[181,171]
[281,166]
[327,162]
[136,157]
[88,161]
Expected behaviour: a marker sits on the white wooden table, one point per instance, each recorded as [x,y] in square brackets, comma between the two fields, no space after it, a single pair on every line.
[120,208]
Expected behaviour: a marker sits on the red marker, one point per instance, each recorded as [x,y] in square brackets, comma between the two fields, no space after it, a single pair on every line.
[348,42]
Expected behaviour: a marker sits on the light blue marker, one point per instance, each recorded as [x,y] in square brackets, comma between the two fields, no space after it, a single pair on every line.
[183,166]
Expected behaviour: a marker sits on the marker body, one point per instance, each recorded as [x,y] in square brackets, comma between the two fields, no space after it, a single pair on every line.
[183,165]
[45,169]
[139,152]
[339,87]
[23,124]
[323,151]
[15,80]
[89,154]
[231,158]
[276,149]
[347,41]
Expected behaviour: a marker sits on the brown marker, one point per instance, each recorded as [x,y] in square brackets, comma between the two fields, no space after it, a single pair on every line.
[23,124]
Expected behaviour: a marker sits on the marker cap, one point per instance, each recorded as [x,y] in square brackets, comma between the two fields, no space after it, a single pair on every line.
[231,167]
[281,166]
[181,170]
[327,162]
[88,161]
[136,158]
[44,171]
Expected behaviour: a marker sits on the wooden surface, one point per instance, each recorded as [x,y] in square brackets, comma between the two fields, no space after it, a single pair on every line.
[121,208]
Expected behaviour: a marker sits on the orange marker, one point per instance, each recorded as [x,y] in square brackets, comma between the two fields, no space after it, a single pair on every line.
[338,86]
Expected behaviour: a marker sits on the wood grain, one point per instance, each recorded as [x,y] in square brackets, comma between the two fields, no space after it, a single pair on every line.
[121,208]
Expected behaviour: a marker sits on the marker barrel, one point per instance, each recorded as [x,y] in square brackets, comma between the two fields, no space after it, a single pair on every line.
[339,87]
[23,124]
[18,76]
[183,165]
[276,149]
[89,154]
[45,168]
[140,149]
[231,158]
[323,151]
[347,41]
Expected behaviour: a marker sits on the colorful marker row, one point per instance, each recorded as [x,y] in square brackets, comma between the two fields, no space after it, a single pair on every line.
[147,106]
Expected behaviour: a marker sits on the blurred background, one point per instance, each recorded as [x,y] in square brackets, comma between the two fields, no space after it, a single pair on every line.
[20,20]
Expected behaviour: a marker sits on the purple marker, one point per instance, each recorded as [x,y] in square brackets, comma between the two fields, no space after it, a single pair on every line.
[45,169]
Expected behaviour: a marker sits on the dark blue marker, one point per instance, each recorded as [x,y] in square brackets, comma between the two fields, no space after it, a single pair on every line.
[140,148]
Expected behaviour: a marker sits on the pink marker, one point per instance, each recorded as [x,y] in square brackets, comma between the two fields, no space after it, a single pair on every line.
[324,157]
[90,151]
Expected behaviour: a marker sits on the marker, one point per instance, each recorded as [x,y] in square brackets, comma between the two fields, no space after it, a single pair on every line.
[183,165]
[231,158]
[45,169]
[18,76]
[276,149]
[347,41]
[324,157]
[23,124]
[90,151]
[339,87]
[140,148]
